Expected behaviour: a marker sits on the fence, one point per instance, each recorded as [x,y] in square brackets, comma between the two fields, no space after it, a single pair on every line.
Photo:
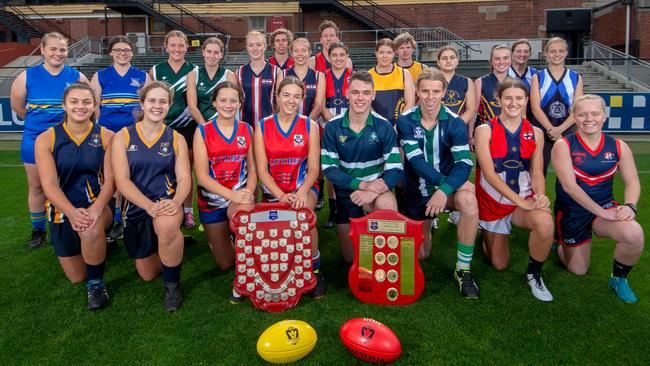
[618,62]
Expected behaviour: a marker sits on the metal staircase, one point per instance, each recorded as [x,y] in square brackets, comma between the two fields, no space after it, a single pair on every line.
[22,23]
[156,9]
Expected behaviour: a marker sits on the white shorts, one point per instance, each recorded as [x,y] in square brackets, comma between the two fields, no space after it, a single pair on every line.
[500,226]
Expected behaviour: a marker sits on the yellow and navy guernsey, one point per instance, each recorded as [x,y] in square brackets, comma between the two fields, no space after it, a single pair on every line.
[415,69]
[151,166]
[389,88]
[437,158]
[179,114]
[79,166]
[348,158]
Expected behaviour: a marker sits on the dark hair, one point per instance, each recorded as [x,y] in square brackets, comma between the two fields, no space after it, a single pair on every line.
[327,24]
[119,39]
[433,75]
[509,82]
[79,85]
[291,80]
[521,41]
[227,85]
[337,45]
[447,48]
[362,75]
[153,84]
[385,42]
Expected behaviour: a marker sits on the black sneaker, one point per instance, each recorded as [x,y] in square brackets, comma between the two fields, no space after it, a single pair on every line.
[173,297]
[37,240]
[235,298]
[468,287]
[328,224]
[116,234]
[321,287]
[97,296]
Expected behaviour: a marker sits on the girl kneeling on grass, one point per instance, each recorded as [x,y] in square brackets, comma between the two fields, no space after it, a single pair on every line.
[75,172]
[152,171]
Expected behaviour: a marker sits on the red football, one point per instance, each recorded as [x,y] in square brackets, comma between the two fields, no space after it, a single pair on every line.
[370,340]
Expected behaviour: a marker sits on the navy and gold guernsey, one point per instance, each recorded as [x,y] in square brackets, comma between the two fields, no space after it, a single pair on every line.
[594,171]
[79,166]
[488,107]
[151,166]
[389,88]
[456,94]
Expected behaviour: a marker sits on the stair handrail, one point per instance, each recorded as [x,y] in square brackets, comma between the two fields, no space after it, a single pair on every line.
[371,7]
[616,61]
[194,15]
[28,20]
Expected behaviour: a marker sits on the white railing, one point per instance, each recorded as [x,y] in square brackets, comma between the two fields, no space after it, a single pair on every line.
[83,47]
[618,62]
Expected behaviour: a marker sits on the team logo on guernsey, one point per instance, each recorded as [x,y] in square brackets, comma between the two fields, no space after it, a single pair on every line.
[241,141]
[609,156]
[95,140]
[343,139]
[557,110]
[578,158]
[267,81]
[164,149]
[311,86]
[298,140]
[135,82]
[373,138]
[132,148]
[528,135]
[418,133]
[451,98]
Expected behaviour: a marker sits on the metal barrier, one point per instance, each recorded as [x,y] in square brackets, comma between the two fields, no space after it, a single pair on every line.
[618,62]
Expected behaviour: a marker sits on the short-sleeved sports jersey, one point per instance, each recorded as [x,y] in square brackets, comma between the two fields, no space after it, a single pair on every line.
[415,69]
[525,77]
[152,166]
[456,94]
[594,171]
[321,64]
[287,152]
[348,158]
[45,97]
[258,91]
[227,158]
[511,154]
[288,63]
[79,166]
[557,95]
[434,159]
[119,99]
[179,115]
[489,106]
[204,89]
[311,88]
[336,90]
[389,88]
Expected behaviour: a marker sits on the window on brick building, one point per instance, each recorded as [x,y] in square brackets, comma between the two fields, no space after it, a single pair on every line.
[257,23]
[157,26]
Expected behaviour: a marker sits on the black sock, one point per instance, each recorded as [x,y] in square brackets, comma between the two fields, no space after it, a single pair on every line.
[534,266]
[171,275]
[95,271]
[332,205]
[321,184]
[620,269]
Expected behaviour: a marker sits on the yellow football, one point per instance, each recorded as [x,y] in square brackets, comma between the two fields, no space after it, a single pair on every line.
[286,341]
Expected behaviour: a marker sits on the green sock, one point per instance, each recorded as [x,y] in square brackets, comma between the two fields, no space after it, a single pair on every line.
[464,253]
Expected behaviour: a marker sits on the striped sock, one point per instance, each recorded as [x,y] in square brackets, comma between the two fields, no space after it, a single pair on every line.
[315,262]
[38,220]
[464,253]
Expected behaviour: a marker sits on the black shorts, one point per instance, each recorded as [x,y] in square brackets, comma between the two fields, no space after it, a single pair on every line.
[188,134]
[140,238]
[416,208]
[346,209]
[573,228]
[64,239]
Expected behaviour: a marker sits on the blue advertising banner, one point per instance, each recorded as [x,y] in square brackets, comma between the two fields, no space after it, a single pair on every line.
[9,122]
[628,112]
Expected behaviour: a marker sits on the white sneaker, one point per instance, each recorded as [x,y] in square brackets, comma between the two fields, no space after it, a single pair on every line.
[434,224]
[454,217]
[538,287]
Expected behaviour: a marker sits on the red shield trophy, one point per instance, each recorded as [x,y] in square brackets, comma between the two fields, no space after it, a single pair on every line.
[273,254]
[386,270]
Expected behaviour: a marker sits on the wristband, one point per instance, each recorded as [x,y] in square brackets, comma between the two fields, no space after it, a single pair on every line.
[632,206]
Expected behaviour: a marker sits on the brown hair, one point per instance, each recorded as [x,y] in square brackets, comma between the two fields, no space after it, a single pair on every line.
[55,35]
[521,41]
[509,82]
[213,40]
[338,45]
[119,39]
[405,37]
[327,24]
[447,48]
[495,48]
[433,75]
[291,80]
[176,33]
[79,85]
[284,31]
[227,85]
[362,75]
[149,86]
[385,42]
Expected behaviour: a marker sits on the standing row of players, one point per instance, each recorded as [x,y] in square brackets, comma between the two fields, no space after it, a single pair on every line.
[369,190]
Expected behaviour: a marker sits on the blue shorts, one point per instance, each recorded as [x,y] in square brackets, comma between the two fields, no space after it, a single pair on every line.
[214,217]
[27,147]
[140,238]
[573,228]
[64,239]
[417,208]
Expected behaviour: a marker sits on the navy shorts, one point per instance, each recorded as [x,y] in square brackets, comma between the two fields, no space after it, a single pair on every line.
[214,217]
[416,208]
[573,227]
[140,238]
[64,239]
[188,133]
[346,209]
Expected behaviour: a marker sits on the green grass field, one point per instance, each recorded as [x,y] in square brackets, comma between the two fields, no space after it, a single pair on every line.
[43,318]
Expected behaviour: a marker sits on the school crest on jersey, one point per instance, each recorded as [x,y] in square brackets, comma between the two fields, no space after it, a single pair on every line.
[95,140]
[557,110]
[418,133]
[241,141]
[343,139]
[135,82]
[451,98]
[298,140]
[165,149]
[578,158]
[373,138]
